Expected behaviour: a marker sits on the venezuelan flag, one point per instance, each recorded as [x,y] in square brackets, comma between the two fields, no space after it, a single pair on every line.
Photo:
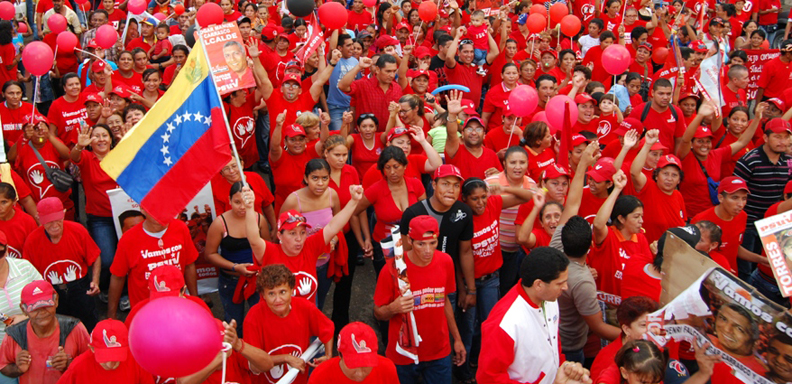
[173,152]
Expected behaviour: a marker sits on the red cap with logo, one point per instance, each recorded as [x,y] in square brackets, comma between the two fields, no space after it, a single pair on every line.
[293,65]
[778,103]
[550,51]
[396,132]
[469,107]
[386,41]
[446,170]
[50,209]
[291,77]
[269,32]
[38,294]
[788,187]
[36,118]
[422,52]
[732,184]
[404,25]
[778,125]
[413,73]
[291,219]
[358,345]
[553,172]
[98,66]
[165,280]
[578,139]
[702,132]
[121,90]
[423,227]
[698,46]
[629,124]
[93,44]
[583,98]
[667,160]
[109,340]
[294,130]
[95,97]
[603,170]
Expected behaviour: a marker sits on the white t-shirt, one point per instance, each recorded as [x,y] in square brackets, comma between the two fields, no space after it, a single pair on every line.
[587,42]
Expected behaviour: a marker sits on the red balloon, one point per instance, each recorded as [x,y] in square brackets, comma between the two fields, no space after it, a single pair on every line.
[558,11]
[369,3]
[80,1]
[659,55]
[37,58]
[554,111]
[160,16]
[523,100]
[208,14]
[536,23]
[333,15]
[539,8]
[765,45]
[179,9]
[615,59]
[136,6]
[66,41]
[22,28]
[56,23]
[570,25]
[106,36]
[174,337]
[85,7]
[7,11]
[427,11]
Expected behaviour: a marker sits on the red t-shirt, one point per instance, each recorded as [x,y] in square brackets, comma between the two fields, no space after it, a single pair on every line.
[590,205]
[288,171]
[694,187]
[584,10]
[646,72]
[243,125]
[733,99]
[486,238]
[363,157]
[96,183]
[17,231]
[661,211]
[388,215]
[66,117]
[41,349]
[538,162]
[330,372]
[138,42]
[466,75]
[117,17]
[772,17]
[289,335]
[606,126]
[430,286]
[416,165]
[276,104]
[139,253]
[359,21]
[732,233]
[85,370]
[233,16]
[498,139]
[609,258]
[134,82]
[472,166]
[670,127]
[495,102]
[636,282]
[7,55]
[12,120]
[303,265]
[776,77]
[69,260]
[66,61]
[612,23]
[33,173]
[604,359]
[221,188]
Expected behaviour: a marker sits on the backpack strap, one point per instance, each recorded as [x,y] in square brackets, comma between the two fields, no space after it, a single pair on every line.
[646,109]
[18,332]
[67,325]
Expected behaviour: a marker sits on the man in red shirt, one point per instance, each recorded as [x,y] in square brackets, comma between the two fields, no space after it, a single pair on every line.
[662,114]
[142,249]
[734,91]
[64,253]
[375,93]
[506,135]
[359,18]
[431,278]
[776,75]
[147,38]
[472,158]
[586,110]
[465,71]
[165,281]
[359,361]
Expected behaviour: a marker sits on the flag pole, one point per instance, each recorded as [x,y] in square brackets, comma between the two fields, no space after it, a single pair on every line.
[222,108]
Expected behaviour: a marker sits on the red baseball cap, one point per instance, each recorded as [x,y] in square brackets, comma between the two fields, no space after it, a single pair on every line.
[291,77]
[385,41]
[93,44]
[788,187]
[553,172]
[358,344]
[165,280]
[293,64]
[702,132]
[446,170]
[469,107]
[550,51]
[291,219]
[698,46]
[629,124]
[121,90]
[413,73]
[38,294]
[36,118]
[578,139]
[603,170]
[269,32]
[655,147]
[396,132]
[283,35]
[404,25]
[423,227]
[98,66]
[667,160]
[422,52]
[508,111]
[688,94]
[778,125]
[50,209]
[777,102]
[646,45]
[110,341]
[294,130]
[732,184]
[583,98]
[472,118]
[95,97]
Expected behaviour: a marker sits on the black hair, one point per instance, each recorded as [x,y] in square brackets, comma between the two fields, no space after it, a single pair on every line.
[181,47]
[244,20]
[609,2]
[637,32]
[607,35]
[590,136]
[584,70]
[167,28]
[391,152]
[508,65]
[342,38]
[742,311]
[715,231]
[133,107]
[471,185]
[643,358]
[148,72]
[7,190]
[314,165]
[128,214]
[385,59]
[661,83]
[99,11]
[9,83]
[235,188]
[287,22]
[730,9]
[300,22]
[738,54]
[593,85]
[512,150]
[543,263]
[542,78]
[443,39]
[6,29]
[65,79]
[367,116]
[760,33]
[598,22]
[576,237]
[624,205]
[632,76]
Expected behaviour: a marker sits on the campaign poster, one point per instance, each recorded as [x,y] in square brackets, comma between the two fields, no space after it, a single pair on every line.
[752,334]
[227,58]
[198,215]
[776,234]
[756,61]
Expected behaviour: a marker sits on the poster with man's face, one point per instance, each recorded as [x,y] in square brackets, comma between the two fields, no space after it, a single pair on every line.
[228,59]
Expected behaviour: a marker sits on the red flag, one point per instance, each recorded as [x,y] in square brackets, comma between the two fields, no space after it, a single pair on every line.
[566,141]
[315,39]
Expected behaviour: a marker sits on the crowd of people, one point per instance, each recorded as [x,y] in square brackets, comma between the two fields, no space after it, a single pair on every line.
[522,259]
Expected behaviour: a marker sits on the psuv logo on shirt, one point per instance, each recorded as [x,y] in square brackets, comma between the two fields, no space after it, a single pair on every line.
[458,215]
[243,129]
[305,286]
[275,374]
[604,128]
[14,253]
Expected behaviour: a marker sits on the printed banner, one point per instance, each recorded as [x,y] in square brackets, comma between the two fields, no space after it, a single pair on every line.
[776,234]
[227,58]
[756,61]
[751,333]
[314,39]
[126,214]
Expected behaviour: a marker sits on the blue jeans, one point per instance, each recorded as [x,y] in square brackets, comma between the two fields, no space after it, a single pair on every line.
[336,116]
[510,270]
[768,289]
[226,285]
[324,283]
[102,230]
[575,356]
[30,9]
[480,57]
[7,380]
[469,321]
[433,372]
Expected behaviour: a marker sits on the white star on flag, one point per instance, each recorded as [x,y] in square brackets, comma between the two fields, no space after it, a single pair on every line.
[178,119]
[164,150]
[198,116]
[167,161]
[208,120]
[166,136]
[171,127]
[186,116]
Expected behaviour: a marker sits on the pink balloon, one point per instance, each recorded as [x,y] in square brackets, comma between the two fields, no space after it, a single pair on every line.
[37,58]
[7,10]
[208,14]
[22,28]
[542,116]
[554,111]
[160,16]
[56,23]
[174,337]
[136,6]
[106,36]
[615,59]
[66,42]
[523,100]
[369,3]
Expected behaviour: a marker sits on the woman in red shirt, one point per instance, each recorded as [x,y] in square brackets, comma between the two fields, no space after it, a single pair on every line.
[126,73]
[538,143]
[151,90]
[15,223]
[13,112]
[229,13]
[527,72]
[230,174]
[364,145]
[498,96]
[549,214]
[68,111]
[408,112]
[738,122]
[288,165]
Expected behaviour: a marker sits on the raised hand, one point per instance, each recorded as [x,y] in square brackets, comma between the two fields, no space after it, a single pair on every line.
[539,199]
[356,192]
[652,137]
[631,138]
[454,102]
[365,62]
[252,47]
[417,134]
[84,138]
[281,118]
[347,117]
[393,108]
[249,197]
[619,180]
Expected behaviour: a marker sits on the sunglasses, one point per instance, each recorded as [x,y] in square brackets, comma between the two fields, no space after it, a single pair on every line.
[293,219]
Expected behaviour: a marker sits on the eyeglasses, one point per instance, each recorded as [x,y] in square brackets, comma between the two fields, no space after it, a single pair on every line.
[229,168]
[291,85]
[466,41]
[402,111]
[366,115]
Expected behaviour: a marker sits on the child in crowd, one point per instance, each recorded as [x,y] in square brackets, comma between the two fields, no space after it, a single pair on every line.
[161,51]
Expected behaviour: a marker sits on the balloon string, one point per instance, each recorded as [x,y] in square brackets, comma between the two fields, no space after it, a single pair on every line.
[226,348]
[511,133]
[35,96]
[91,54]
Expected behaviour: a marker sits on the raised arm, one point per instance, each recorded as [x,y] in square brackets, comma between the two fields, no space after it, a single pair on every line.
[345,84]
[257,244]
[525,236]
[493,49]
[630,141]
[636,169]
[452,127]
[572,206]
[338,221]
[264,85]
[276,150]
[601,220]
[450,60]
[318,85]
[683,148]
[404,65]
[433,159]
[83,140]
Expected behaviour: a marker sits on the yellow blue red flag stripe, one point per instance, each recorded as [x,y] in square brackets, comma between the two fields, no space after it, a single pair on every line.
[177,147]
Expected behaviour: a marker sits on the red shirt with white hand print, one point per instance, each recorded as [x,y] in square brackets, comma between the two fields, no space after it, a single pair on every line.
[68,260]
[303,265]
